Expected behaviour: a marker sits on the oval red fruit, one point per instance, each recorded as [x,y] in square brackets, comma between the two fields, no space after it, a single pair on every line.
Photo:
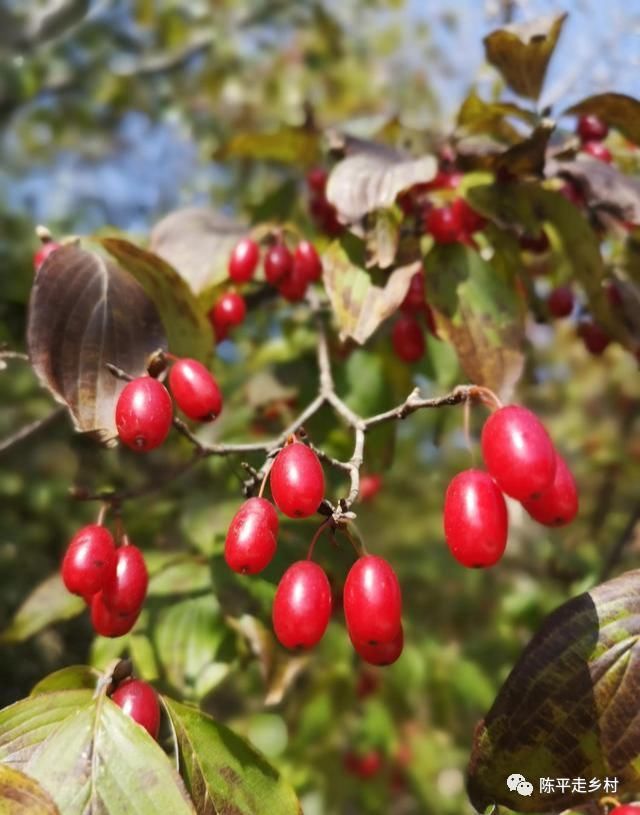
[251,539]
[90,560]
[307,260]
[144,413]
[558,504]
[592,128]
[108,623]
[278,263]
[195,390]
[139,701]
[407,338]
[244,260]
[372,601]
[383,653]
[302,605]
[561,301]
[125,593]
[297,481]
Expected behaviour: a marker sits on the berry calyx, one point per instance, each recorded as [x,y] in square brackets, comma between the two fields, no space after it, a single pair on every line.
[444,224]
[307,260]
[139,701]
[108,623]
[592,128]
[144,413]
[594,337]
[560,301]
[372,601]
[382,653]
[407,339]
[475,519]
[244,260]
[125,592]
[518,452]
[251,539]
[41,254]
[597,150]
[366,765]
[558,504]
[302,605]
[278,263]
[89,561]
[370,486]
[297,481]
[229,311]
[195,390]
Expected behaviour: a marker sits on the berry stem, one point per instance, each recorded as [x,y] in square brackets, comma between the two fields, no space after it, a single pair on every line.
[265,478]
[486,396]
[323,526]
[359,547]
[101,514]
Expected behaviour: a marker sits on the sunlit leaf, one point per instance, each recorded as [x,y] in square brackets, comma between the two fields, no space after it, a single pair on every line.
[223,772]
[21,795]
[74,677]
[85,311]
[188,575]
[90,756]
[188,330]
[382,236]
[48,603]
[288,146]
[477,116]
[569,707]
[616,109]
[521,52]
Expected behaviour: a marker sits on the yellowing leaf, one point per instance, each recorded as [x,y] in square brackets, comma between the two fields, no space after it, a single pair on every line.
[289,146]
[21,795]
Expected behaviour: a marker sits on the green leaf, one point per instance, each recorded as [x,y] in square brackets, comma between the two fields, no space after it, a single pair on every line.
[288,146]
[74,677]
[358,305]
[186,576]
[616,109]
[21,795]
[480,312]
[48,603]
[197,242]
[90,756]
[188,329]
[189,636]
[569,707]
[223,772]
[522,52]
[477,116]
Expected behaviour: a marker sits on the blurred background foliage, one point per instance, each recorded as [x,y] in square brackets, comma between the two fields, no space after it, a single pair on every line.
[113,113]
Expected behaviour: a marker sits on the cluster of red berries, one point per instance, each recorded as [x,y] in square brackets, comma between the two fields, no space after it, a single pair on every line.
[592,132]
[522,463]
[111,580]
[407,334]
[139,701]
[561,302]
[323,213]
[303,601]
[144,410]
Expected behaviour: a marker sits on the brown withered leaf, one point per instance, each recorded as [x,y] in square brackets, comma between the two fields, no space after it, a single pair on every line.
[569,708]
[616,109]
[85,311]
[21,795]
[521,52]
[527,157]
[358,305]
[371,178]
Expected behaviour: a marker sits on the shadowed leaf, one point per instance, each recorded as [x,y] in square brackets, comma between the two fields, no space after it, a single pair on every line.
[569,708]
[616,109]
[21,795]
[528,156]
[197,242]
[223,772]
[372,177]
[477,116]
[85,311]
[480,312]
[48,603]
[90,756]
[188,330]
[522,52]
[359,307]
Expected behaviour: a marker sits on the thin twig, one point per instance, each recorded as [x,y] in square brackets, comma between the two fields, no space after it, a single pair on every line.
[29,429]
[619,546]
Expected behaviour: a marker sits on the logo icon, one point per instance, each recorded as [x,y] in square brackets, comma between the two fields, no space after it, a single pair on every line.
[518,783]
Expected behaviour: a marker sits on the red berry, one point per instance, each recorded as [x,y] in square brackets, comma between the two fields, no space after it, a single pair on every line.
[475,519]
[372,601]
[195,390]
[302,605]
[626,809]
[89,561]
[144,413]
[595,338]
[363,766]
[368,683]
[293,287]
[382,653]
[597,150]
[125,593]
[612,290]
[108,623]
[317,180]
[43,253]
[139,701]
[518,452]
[444,224]
[307,260]
[297,481]
[414,299]
[558,504]
[592,128]
[370,486]
[561,301]
[572,193]
[407,339]
[471,220]
[229,311]
[536,244]
[278,263]
[244,260]
[251,539]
